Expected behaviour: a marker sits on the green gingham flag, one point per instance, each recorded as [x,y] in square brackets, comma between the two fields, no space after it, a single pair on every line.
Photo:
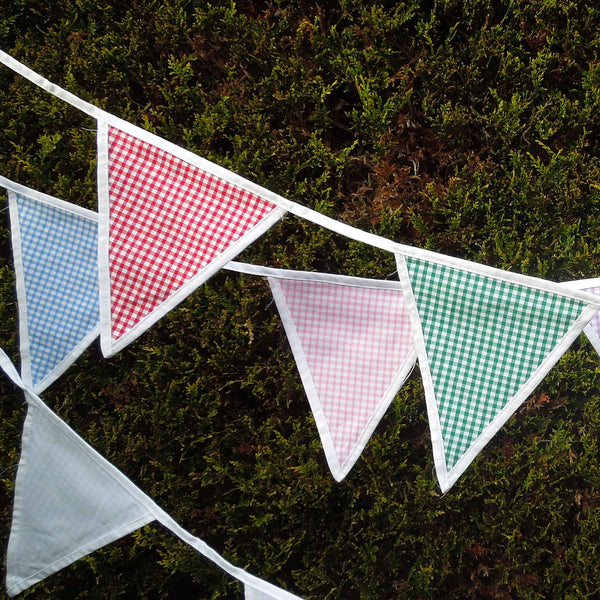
[484,339]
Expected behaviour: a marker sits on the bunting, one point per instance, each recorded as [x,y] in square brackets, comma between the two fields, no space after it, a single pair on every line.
[352,341]
[69,501]
[168,221]
[56,257]
[483,344]
[166,226]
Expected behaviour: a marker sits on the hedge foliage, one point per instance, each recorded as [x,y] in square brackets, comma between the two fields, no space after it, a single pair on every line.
[470,128]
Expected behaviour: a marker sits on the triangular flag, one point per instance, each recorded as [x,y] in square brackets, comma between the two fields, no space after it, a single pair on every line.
[55,246]
[352,342]
[484,342]
[592,329]
[166,225]
[69,501]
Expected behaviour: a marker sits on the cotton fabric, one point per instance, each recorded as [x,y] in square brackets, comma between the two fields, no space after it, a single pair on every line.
[56,264]
[69,501]
[168,220]
[353,346]
[484,340]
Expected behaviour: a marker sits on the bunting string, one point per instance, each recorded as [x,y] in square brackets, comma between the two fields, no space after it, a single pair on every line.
[106,119]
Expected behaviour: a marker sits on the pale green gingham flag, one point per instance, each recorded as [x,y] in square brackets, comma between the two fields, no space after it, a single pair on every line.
[69,501]
[484,341]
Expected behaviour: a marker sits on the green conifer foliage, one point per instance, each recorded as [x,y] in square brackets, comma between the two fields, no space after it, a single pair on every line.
[470,128]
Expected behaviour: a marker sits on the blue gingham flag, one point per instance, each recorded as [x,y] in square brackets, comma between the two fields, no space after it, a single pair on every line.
[55,250]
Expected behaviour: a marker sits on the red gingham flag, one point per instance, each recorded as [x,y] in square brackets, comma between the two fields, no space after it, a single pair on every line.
[168,220]
[356,344]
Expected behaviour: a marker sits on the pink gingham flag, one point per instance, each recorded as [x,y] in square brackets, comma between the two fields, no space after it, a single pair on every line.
[171,225]
[352,342]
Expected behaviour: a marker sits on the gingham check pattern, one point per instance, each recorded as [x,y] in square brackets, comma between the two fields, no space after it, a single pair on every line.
[595,322]
[60,268]
[484,339]
[355,341]
[168,220]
